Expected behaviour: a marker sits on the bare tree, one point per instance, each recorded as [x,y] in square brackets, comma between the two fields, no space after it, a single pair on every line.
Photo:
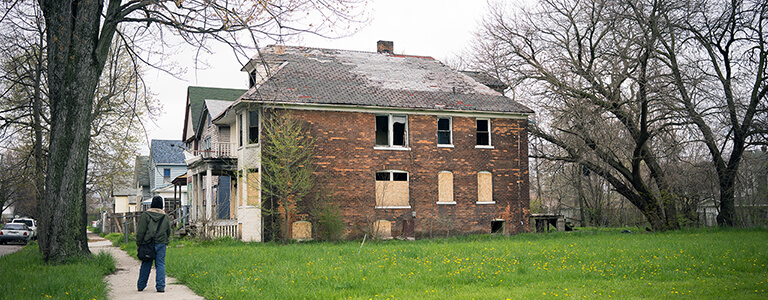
[121,101]
[717,53]
[79,35]
[592,68]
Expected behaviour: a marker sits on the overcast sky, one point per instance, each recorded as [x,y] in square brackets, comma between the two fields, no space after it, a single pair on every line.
[438,28]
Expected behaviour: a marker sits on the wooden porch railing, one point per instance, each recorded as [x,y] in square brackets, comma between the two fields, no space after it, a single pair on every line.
[217,150]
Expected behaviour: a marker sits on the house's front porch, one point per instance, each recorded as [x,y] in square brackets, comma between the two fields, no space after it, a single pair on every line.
[213,182]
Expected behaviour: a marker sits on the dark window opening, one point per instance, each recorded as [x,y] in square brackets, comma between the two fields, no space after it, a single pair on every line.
[397,176]
[252,79]
[398,131]
[444,131]
[240,132]
[382,130]
[253,127]
[391,130]
[483,133]
[391,176]
[382,176]
[497,226]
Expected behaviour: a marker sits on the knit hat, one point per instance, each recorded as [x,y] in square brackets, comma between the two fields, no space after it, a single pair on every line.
[157,202]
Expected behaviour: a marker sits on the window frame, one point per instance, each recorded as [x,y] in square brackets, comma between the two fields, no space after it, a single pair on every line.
[240,130]
[391,133]
[490,178]
[486,133]
[391,178]
[449,131]
[251,127]
[440,189]
[167,178]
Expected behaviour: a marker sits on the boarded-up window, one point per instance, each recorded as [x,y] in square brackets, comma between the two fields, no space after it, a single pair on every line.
[392,189]
[484,187]
[253,188]
[224,134]
[445,187]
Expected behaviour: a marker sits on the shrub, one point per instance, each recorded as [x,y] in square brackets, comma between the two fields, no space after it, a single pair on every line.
[331,224]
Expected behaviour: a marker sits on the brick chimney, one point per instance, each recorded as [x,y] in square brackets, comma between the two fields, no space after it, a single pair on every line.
[385,47]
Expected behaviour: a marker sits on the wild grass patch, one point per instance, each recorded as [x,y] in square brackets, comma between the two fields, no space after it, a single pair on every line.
[25,275]
[725,264]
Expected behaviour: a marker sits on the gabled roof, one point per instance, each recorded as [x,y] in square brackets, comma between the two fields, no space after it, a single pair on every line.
[212,108]
[168,152]
[216,107]
[313,76]
[142,170]
[196,96]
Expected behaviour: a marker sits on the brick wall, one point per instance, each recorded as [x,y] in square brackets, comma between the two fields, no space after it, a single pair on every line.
[347,163]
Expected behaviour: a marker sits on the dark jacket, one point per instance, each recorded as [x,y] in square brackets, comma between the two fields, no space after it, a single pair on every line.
[148,221]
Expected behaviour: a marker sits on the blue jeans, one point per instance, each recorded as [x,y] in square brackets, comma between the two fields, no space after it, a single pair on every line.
[146,267]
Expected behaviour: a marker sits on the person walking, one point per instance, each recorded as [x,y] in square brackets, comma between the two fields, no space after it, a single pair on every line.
[154,225]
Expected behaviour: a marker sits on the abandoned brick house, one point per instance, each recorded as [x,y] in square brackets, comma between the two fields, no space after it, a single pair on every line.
[403,142]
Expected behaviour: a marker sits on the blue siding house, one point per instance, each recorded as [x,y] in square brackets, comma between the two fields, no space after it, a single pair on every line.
[166,163]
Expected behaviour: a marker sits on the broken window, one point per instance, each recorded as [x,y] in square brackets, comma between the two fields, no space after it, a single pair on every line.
[497,226]
[391,130]
[392,189]
[253,127]
[445,187]
[483,132]
[484,187]
[444,136]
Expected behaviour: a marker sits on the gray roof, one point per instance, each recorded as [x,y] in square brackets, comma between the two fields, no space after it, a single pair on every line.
[371,79]
[142,170]
[167,152]
[216,107]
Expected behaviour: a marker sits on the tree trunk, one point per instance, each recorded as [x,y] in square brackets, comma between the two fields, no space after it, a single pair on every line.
[37,127]
[727,214]
[75,61]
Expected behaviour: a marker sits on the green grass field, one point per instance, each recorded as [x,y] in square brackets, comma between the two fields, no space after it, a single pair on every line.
[695,264]
[24,275]
[698,264]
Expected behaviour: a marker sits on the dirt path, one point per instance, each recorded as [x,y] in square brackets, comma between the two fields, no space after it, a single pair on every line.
[122,283]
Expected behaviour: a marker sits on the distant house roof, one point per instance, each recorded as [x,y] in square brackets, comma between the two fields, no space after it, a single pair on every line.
[142,170]
[169,152]
[487,80]
[196,95]
[313,76]
[124,191]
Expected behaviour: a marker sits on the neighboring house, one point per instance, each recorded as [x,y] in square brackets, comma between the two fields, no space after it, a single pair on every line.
[212,150]
[166,162]
[142,178]
[401,141]
[124,200]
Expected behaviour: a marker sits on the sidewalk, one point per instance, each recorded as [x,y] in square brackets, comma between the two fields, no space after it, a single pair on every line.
[122,283]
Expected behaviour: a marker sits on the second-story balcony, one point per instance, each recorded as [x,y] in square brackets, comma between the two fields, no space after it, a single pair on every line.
[216,150]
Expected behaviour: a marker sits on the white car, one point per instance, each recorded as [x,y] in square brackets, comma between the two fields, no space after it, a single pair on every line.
[15,232]
[31,223]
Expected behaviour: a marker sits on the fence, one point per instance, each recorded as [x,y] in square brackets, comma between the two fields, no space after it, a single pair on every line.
[220,229]
[120,222]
